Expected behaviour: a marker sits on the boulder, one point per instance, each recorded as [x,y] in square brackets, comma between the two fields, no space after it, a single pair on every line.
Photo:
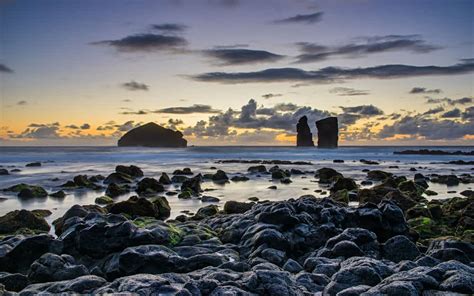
[51,268]
[400,248]
[304,137]
[132,171]
[149,186]
[114,190]
[138,206]
[104,200]
[18,219]
[328,134]
[236,207]
[220,176]
[164,179]
[58,194]
[17,253]
[152,135]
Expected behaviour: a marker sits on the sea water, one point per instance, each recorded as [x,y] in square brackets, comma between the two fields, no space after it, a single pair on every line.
[60,164]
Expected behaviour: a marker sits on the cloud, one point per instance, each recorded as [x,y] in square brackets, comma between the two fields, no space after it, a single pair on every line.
[312,52]
[427,128]
[169,27]
[452,102]
[346,91]
[301,19]
[39,131]
[22,103]
[334,74]
[434,111]
[139,112]
[455,113]
[363,110]
[423,90]
[133,85]
[5,69]
[85,126]
[72,126]
[270,95]
[239,56]
[196,108]
[468,114]
[146,43]
[282,117]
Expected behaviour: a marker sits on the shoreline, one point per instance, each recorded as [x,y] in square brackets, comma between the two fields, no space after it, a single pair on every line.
[310,243]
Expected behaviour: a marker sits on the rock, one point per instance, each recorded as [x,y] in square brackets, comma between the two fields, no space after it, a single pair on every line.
[327,175]
[327,132]
[136,207]
[220,176]
[114,190]
[236,207]
[274,256]
[51,268]
[378,175]
[84,285]
[104,200]
[185,171]
[239,178]
[458,281]
[76,211]
[207,198]
[400,248]
[27,191]
[467,193]
[18,219]
[149,186]
[304,137]
[42,213]
[33,164]
[17,253]
[4,172]
[257,169]
[344,184]
[206,211]
[81,181]
[152,135]
[357,271]
[13,281]
[292,266]
[118,178]
[58,194]
[164,179]
[193,185]
[132,171]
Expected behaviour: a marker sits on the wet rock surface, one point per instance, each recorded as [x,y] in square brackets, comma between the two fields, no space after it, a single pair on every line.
[301,246]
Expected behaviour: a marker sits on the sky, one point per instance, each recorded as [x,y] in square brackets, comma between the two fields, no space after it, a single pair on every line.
[237,72]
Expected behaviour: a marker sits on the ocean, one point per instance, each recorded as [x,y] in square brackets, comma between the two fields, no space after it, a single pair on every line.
[60,164]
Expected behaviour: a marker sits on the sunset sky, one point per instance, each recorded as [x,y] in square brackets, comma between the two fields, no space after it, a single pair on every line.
[236,72]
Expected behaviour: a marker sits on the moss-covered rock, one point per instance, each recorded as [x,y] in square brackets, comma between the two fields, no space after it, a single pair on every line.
[22,219]
[104,200]
[341,196]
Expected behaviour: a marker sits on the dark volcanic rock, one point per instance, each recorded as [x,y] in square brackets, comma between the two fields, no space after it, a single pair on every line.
[328,133]
[304,137]
[152,135]
[132,171]
[51,267]
[138,206]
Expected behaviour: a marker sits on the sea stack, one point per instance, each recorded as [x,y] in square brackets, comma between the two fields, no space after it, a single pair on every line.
[328,134]
[304,137]
[152,135]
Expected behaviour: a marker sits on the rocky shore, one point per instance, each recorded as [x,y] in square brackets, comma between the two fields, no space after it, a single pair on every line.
[384,239]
